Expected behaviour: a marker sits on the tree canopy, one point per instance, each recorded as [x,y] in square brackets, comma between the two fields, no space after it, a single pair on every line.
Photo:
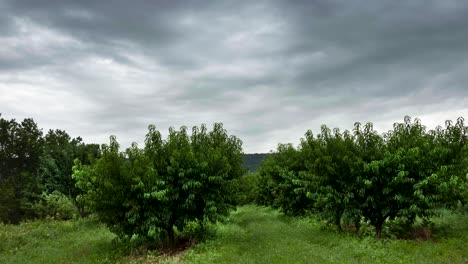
[404,173]
[33,165]
[149,191]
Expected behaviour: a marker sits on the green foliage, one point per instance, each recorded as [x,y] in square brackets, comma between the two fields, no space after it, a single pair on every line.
[20,151]
[55,205]
[31,164]
[55,172]
[405,173]
[281,174]
[147,192]
[332,162]
[248,188]
[419,172]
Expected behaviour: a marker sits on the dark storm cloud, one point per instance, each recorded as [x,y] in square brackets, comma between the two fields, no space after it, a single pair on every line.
[369,40]
[269,70]
[160,28]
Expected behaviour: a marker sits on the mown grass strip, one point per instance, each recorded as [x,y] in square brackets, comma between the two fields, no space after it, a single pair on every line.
[262,235]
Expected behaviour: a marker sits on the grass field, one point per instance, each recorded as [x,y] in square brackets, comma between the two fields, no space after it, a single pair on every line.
[79,241]
[250,235]
[262,235]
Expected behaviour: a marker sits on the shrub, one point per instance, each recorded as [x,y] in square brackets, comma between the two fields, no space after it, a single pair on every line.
[56,206]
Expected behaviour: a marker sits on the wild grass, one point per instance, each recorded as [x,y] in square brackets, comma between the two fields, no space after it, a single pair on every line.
[250,235]
[263,235]
[48,241]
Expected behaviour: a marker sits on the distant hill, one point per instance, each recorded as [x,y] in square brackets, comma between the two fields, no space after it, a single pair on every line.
[253,161]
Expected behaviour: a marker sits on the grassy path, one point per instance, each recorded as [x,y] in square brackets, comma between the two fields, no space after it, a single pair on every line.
[262,235]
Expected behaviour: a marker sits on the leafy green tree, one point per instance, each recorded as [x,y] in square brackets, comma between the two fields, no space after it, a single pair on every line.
[454,142]
[249,189]
[332,161]
[60,151]
[148,192]
[280,175]
[56,162]
[20,151]
[418,173]
[405,173]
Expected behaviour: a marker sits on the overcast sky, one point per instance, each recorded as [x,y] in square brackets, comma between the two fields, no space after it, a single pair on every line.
[269,70]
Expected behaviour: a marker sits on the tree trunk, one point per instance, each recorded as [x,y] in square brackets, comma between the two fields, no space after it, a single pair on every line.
[378,230]
[338,222]
[80,207]
[82,211]
[170,236]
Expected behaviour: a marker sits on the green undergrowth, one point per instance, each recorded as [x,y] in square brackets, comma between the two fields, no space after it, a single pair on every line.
[48,241]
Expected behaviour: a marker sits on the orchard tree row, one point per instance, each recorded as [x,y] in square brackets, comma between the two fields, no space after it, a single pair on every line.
[360,175]
[147,193]
[153,192]
[36,169]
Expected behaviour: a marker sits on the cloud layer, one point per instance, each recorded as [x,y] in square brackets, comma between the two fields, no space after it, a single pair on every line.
[269,70]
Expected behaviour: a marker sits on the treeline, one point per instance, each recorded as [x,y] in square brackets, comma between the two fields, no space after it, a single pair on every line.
[194,177]
[360,175]
[148,193]
[36,170]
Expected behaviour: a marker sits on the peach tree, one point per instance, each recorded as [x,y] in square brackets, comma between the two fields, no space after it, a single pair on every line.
[151,191]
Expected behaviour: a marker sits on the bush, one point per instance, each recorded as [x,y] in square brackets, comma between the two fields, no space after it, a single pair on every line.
[55,205]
